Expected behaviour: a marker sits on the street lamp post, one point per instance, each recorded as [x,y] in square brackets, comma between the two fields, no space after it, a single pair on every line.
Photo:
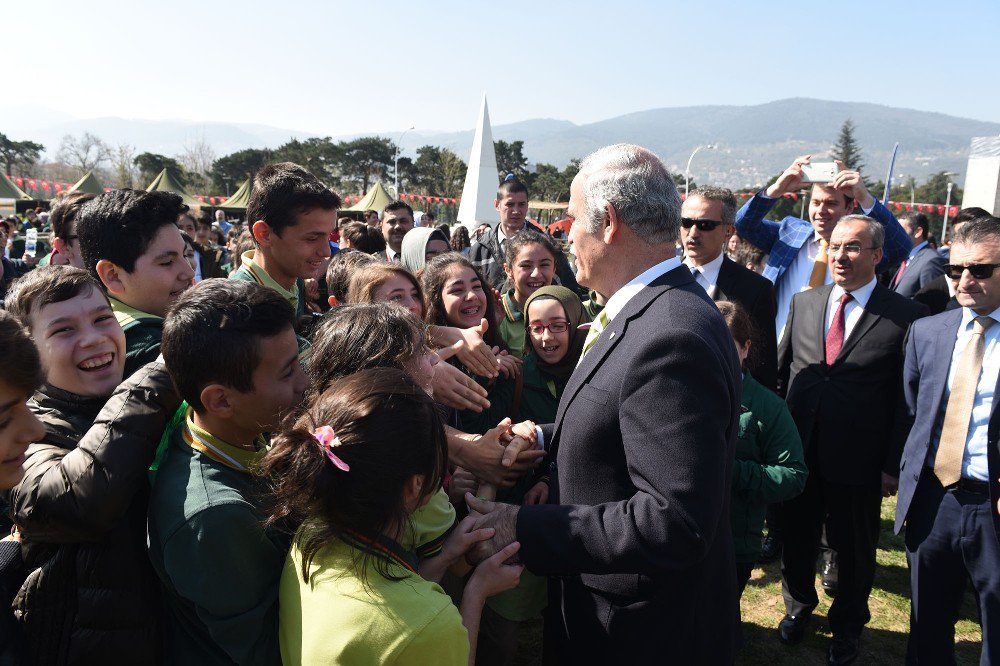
[687,171]
[395,166]
[947,205]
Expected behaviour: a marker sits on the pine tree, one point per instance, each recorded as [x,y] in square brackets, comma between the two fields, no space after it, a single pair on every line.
[847,149]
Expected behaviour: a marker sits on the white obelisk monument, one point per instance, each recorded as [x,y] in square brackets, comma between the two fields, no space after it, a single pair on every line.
[482,178]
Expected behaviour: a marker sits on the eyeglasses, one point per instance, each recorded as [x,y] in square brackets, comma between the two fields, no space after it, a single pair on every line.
[558,326]
[978,271]
[850,249]
[703,225]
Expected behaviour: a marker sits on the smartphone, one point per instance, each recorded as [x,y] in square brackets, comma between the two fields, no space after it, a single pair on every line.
[819,172]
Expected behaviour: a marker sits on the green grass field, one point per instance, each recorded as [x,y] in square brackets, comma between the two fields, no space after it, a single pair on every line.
[883,642]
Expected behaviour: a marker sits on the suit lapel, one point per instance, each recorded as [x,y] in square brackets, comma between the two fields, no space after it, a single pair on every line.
[725,286]
[614,334]
[816,313]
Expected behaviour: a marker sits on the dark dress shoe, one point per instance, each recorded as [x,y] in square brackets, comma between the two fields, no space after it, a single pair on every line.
[843,650]
[792,629]
[830,577]
[770,550]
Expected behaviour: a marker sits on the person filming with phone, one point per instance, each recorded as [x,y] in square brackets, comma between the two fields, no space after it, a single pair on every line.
[797,254]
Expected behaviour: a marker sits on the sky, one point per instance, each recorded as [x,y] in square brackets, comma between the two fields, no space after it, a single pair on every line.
[337,68]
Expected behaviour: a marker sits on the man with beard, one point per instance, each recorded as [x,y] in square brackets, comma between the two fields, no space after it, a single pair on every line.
[397,219]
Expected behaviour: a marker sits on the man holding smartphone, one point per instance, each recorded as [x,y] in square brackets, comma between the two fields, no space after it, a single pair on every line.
[797,258]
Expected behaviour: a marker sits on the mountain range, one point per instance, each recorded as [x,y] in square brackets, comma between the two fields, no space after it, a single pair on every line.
[752,143]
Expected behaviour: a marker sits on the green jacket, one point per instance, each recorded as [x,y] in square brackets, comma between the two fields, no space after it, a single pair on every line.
[769,465]
[219,567]
[512,327]
[143,332]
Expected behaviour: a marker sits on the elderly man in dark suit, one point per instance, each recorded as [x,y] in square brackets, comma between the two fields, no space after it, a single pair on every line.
[948,484]
[839,365]
[636,536]
[923,264]
[708,217]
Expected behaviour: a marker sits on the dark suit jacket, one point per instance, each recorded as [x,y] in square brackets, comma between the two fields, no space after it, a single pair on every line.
[851,414]
[925,376]
[924,268]
[644,443]
[936,296]
[755,294]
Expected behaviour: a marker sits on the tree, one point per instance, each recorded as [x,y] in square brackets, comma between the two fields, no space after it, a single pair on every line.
[85,153]
[18,153]
[548,183]
[123,166]
[935,191]
[438,172]
[366,160]
[321,157]
[511,159]
[847,149]
[197,159]
[151,164]
[231,170]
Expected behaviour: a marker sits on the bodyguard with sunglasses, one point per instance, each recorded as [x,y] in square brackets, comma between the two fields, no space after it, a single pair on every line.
[948,485]
[707,219]
[839,367]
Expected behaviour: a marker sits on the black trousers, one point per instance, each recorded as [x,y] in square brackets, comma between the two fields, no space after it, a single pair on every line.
[950,539]
[852,515]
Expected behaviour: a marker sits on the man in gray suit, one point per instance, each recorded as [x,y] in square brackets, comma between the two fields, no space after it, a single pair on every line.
[636,537]
[923,265]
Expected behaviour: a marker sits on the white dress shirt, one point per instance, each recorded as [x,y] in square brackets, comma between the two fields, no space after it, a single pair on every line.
[974,459]
[852,311]
[390,254]
[707,275]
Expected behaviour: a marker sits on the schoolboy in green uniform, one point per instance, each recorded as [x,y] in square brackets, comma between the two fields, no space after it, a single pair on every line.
[130,242]
[291,216]
[219,566]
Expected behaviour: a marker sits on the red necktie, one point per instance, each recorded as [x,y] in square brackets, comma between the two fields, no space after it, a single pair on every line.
[899,273]
[835,337]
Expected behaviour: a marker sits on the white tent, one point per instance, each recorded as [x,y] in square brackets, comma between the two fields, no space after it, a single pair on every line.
[482,178]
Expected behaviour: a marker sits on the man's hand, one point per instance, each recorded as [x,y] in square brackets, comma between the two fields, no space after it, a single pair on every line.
[484,457]
[790,179]
[501,517]
[453,388]
[462,481]
[29,259]
[890,484]
[850,183]
[455,546]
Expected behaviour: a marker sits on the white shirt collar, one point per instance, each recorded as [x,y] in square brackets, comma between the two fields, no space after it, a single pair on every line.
[501,236]
[861,294]
[711,269]
[389,253]
[620,299]
[968,315]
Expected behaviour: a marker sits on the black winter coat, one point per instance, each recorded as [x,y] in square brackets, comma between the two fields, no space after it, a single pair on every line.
[92,596]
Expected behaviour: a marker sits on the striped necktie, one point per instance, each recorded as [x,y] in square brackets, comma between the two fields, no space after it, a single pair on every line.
[595,331]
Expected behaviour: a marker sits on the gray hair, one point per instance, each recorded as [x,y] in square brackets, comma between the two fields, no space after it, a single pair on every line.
[875,228]
[723,196]
[635,182]
[978,230]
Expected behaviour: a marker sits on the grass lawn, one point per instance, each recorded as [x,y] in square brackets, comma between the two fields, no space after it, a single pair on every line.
[884,639]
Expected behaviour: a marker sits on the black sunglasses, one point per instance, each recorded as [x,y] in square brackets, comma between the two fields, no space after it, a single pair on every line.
[978,271]
[703,225]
